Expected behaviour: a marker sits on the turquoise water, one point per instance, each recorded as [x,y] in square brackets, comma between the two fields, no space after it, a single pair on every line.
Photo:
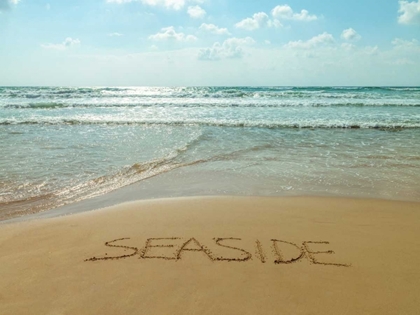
[59,145]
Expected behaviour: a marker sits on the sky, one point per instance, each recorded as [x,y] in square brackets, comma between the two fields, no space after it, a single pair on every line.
[209,42]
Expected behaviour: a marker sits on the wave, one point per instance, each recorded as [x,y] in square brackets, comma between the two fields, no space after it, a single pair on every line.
[54,105]
[89,189]
[41,105]
[229,124]
[358,88]
[207,92]
[9,203]
[109,182]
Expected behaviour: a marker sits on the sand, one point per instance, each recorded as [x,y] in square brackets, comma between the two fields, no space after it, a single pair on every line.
[217,255]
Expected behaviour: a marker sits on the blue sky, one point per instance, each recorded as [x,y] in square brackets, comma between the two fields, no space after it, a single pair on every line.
[209,42]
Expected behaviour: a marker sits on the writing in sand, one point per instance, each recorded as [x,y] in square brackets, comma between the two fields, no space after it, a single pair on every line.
[224,249]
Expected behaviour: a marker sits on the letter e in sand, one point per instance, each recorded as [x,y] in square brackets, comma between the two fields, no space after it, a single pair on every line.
[312,258]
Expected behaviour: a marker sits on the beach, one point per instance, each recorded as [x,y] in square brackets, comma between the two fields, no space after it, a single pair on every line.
[192,157]
[216,255]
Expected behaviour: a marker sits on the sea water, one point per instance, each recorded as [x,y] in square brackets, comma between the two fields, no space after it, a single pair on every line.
[59,145]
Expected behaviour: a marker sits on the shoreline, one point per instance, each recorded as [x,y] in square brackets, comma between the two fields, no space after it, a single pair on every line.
[185,183]
[227,255]
[106,201]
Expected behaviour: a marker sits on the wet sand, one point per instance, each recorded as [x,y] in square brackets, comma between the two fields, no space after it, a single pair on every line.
[216,255]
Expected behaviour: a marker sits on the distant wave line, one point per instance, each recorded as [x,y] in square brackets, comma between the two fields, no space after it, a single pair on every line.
[206,92]
[237,124]
[236,95]
[54,105]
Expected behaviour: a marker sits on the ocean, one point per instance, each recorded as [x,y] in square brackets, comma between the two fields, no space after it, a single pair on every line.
[60,145]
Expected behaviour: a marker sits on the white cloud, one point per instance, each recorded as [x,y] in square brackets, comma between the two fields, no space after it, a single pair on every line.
[247,24]
[285,12]
[280,12]
[319,40]
[196,12]
[211,28]
[350,35]
[68,42]
[260,65]
[169,4]
[275,23]
[348,46]
[115,34]
[169,33]
[410,12]
[5,5]
[258,20]
[371,50]
[119,1]
[231,48]
[406,45]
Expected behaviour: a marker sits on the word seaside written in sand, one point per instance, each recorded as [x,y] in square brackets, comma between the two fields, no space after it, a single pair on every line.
[172,248]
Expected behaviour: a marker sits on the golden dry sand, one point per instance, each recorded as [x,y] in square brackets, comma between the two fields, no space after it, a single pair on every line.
[223,255]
